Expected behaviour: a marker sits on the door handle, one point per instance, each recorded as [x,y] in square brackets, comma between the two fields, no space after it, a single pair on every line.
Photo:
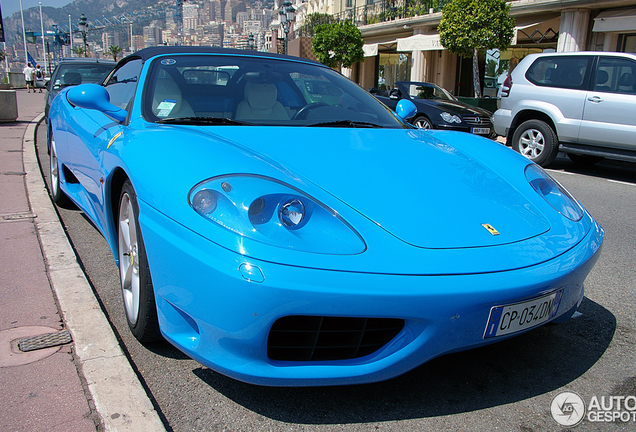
[595,99]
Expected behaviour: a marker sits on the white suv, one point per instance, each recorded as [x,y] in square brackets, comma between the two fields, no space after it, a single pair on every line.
[582,103]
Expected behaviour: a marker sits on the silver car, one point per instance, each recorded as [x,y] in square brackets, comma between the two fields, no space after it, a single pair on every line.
[582,103]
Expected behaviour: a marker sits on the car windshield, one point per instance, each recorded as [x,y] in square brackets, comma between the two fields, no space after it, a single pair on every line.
[217,89]
[428,91]
[74,74]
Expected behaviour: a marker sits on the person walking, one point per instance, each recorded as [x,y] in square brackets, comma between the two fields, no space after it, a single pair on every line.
[39,78]
[29,75]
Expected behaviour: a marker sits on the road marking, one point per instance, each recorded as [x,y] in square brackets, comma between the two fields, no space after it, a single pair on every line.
[609,180]
[561,172]
[622,182]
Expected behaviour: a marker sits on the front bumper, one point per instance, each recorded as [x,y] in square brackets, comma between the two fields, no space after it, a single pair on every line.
[218,306]
[465,128]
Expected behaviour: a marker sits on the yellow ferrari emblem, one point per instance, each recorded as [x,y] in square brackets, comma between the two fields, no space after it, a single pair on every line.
[491,229]
[112,140]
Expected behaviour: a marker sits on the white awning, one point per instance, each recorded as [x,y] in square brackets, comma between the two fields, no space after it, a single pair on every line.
[420,42]
[370,50]
[615,20]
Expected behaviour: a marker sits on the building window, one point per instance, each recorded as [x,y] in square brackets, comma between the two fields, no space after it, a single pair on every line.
[627,43]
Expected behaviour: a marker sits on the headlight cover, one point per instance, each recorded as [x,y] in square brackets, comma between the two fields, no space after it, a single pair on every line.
[450,118]
[272,212]
[555,194]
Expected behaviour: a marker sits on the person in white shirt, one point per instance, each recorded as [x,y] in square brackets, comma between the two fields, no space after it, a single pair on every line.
[29,72]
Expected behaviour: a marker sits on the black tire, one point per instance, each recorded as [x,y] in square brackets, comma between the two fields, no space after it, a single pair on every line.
[422,122]
[537,141]
[136,284]
[57,195]
[585,159]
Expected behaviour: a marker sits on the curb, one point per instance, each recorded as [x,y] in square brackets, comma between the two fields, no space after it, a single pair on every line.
[121,402]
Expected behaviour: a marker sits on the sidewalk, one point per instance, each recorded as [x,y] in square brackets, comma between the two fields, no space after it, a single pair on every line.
[86,384]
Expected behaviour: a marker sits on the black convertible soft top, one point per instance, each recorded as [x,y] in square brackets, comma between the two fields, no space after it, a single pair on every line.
[148,53]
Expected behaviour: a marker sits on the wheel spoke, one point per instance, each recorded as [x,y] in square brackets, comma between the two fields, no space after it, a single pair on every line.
[54,169]
[128,258]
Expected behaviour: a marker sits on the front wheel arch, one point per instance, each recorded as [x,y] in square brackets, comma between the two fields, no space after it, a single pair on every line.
[525,115]
[135,279]
[422,119]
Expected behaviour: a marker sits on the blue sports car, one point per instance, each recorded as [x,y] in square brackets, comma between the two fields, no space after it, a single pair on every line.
[288,240]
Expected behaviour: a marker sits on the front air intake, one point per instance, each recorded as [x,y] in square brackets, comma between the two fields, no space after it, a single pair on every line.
[318,338]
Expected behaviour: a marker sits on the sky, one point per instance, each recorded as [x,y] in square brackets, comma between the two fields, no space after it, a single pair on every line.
[10,6]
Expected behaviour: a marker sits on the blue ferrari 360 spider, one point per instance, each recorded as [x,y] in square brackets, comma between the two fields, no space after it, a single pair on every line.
[275,222]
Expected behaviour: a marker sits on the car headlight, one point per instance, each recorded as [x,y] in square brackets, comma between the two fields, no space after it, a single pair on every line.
[450,118]
[555,194]
[272,212]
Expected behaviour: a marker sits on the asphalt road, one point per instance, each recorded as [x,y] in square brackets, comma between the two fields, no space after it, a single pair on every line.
[508,386]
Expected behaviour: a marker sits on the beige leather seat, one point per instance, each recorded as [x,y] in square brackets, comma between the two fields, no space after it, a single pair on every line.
[260,103]
[168,101]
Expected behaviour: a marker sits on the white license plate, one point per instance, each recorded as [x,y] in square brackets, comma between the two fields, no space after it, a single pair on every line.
[481,131]
[516,317]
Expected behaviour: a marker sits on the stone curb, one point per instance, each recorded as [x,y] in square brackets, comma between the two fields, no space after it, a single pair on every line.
[121,402]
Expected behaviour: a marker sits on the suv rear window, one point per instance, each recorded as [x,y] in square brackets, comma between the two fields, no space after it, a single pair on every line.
[563,72]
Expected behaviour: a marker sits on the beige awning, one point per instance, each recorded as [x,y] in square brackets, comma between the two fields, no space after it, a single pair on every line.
[420,42]
[370,50]
[615,20]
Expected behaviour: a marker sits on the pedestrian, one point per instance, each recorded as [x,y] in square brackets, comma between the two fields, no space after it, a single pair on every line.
[29,77]
[39,78]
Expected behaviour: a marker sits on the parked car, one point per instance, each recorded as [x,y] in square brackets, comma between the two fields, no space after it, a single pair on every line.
[582,103]
[287,242]
[439,109]
[74,71]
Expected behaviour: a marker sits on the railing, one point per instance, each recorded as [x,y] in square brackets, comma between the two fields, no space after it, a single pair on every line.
[376,12]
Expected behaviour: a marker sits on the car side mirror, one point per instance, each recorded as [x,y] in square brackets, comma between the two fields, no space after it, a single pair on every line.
[405,109]
[394,94]
[95,97]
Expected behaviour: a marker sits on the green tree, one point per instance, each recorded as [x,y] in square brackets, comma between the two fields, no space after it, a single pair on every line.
[470,25]
[114,50]
[338,45]
[312,21]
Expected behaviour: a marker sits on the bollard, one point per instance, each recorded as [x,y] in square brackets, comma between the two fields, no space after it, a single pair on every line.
[8,106]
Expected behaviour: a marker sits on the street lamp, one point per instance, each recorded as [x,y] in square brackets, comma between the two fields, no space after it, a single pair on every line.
[287,14]
[83,27]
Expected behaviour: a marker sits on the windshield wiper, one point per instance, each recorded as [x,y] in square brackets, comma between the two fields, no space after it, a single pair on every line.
[203,121]
[346,123]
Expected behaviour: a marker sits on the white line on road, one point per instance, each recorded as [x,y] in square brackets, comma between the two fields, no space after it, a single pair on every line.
[622,182]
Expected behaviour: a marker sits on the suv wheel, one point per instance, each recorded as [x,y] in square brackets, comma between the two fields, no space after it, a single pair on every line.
[536,140]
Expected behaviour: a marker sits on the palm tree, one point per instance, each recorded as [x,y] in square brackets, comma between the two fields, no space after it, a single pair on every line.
[114,50]
[79,51]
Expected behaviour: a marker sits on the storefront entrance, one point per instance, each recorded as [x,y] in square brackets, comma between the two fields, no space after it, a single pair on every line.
[392,67]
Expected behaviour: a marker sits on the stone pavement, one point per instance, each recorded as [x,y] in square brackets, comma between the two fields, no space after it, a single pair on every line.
[86,384]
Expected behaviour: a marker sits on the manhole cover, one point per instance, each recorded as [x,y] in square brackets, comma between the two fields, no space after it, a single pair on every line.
[44,341]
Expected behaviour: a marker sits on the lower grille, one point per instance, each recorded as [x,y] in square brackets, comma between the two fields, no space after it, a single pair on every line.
[477,121]
[317,338]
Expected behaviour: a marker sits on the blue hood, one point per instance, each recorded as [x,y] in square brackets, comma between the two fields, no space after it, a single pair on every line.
[421,190]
